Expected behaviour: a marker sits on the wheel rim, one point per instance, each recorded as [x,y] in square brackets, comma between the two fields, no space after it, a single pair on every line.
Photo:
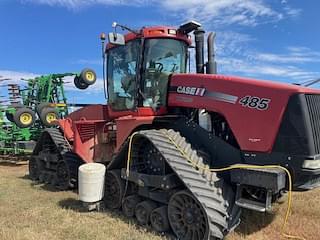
[89,76]
[63,176]
[25,118]
[51,117]
[113,191]
[187,217]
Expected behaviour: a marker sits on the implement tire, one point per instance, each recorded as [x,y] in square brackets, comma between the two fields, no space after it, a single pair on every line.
[24,117]
[48,116]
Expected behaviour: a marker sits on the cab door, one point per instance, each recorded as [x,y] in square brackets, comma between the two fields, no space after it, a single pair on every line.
[123,65]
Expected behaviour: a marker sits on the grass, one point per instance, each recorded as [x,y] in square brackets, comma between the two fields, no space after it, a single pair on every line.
[36,212]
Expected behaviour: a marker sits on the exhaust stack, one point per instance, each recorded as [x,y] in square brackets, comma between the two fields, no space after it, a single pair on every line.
[199,40]
[211,66]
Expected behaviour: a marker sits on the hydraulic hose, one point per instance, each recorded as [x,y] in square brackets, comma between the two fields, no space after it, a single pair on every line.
[235,166]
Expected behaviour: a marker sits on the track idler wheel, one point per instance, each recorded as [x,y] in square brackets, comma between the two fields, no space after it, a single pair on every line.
[63,176]
[114,190]
[143,211]
[159,219]
[187,218]
[129,204]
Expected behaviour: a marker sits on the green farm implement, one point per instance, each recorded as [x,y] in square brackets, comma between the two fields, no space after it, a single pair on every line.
[34,108]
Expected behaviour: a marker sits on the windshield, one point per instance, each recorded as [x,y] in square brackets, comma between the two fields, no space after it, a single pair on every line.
[162,57]
[122,67]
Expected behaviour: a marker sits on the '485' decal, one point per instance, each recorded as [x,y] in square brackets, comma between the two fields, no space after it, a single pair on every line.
[255,102]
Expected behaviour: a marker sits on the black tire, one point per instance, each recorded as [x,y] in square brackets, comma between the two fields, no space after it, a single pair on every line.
[48,116]
[41,106]
[80,84]
[88,76]
[24,117]
[9,116]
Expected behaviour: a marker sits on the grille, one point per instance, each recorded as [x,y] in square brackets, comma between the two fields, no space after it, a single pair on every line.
[313,103]
[86,131]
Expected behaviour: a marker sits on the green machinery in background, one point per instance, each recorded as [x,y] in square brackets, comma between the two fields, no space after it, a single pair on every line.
[35,107]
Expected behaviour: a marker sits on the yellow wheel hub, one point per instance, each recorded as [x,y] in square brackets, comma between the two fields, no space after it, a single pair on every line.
[51,117]
[89,76]
[25,118]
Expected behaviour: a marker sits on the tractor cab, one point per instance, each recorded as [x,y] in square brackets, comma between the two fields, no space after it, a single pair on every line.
[139,65]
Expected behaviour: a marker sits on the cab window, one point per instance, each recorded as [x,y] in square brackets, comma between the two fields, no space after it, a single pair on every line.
[162,57]
[122,68]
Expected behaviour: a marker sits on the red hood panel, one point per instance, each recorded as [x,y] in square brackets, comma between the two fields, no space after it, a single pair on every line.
[254,129]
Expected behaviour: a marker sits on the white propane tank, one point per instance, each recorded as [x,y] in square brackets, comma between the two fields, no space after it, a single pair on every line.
[205,120]
[91,182]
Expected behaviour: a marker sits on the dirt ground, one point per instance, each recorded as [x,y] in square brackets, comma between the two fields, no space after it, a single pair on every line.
[29,211]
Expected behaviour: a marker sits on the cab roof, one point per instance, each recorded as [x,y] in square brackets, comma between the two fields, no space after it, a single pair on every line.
[156,32]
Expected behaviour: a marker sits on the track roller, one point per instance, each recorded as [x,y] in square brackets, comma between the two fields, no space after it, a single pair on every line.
[159,219]
[129,204]
[143,211]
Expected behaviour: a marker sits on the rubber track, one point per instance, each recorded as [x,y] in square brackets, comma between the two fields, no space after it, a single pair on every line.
[64,150]
[215,196]
[59,140]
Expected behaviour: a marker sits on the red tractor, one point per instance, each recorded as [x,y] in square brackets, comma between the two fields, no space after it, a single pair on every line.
[163,129]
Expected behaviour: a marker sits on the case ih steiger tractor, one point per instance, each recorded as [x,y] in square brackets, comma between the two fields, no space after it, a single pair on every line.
[164,131]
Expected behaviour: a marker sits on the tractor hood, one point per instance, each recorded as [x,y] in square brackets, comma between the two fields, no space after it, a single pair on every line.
[254,109]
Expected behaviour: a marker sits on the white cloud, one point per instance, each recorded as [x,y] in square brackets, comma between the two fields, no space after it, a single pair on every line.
[225,12]
[294,55]
[217,13]
[76,4]
[15,77]
[266,70]
[89,62]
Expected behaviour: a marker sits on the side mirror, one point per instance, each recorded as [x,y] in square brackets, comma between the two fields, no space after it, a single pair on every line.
[116,39]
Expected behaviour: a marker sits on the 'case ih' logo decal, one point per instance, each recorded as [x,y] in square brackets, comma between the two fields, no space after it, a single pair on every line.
[195,91]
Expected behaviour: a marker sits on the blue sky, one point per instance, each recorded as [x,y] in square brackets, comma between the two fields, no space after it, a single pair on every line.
[274,39]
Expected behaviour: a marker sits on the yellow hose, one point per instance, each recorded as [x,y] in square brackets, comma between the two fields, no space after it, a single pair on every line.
[235,166]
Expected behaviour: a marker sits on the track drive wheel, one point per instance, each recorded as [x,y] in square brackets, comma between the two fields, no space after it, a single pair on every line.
[159,219]
[114,190]
[187,218]
[63,179]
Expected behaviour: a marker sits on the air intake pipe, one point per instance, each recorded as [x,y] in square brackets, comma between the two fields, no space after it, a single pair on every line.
[199,40]
[211,67]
